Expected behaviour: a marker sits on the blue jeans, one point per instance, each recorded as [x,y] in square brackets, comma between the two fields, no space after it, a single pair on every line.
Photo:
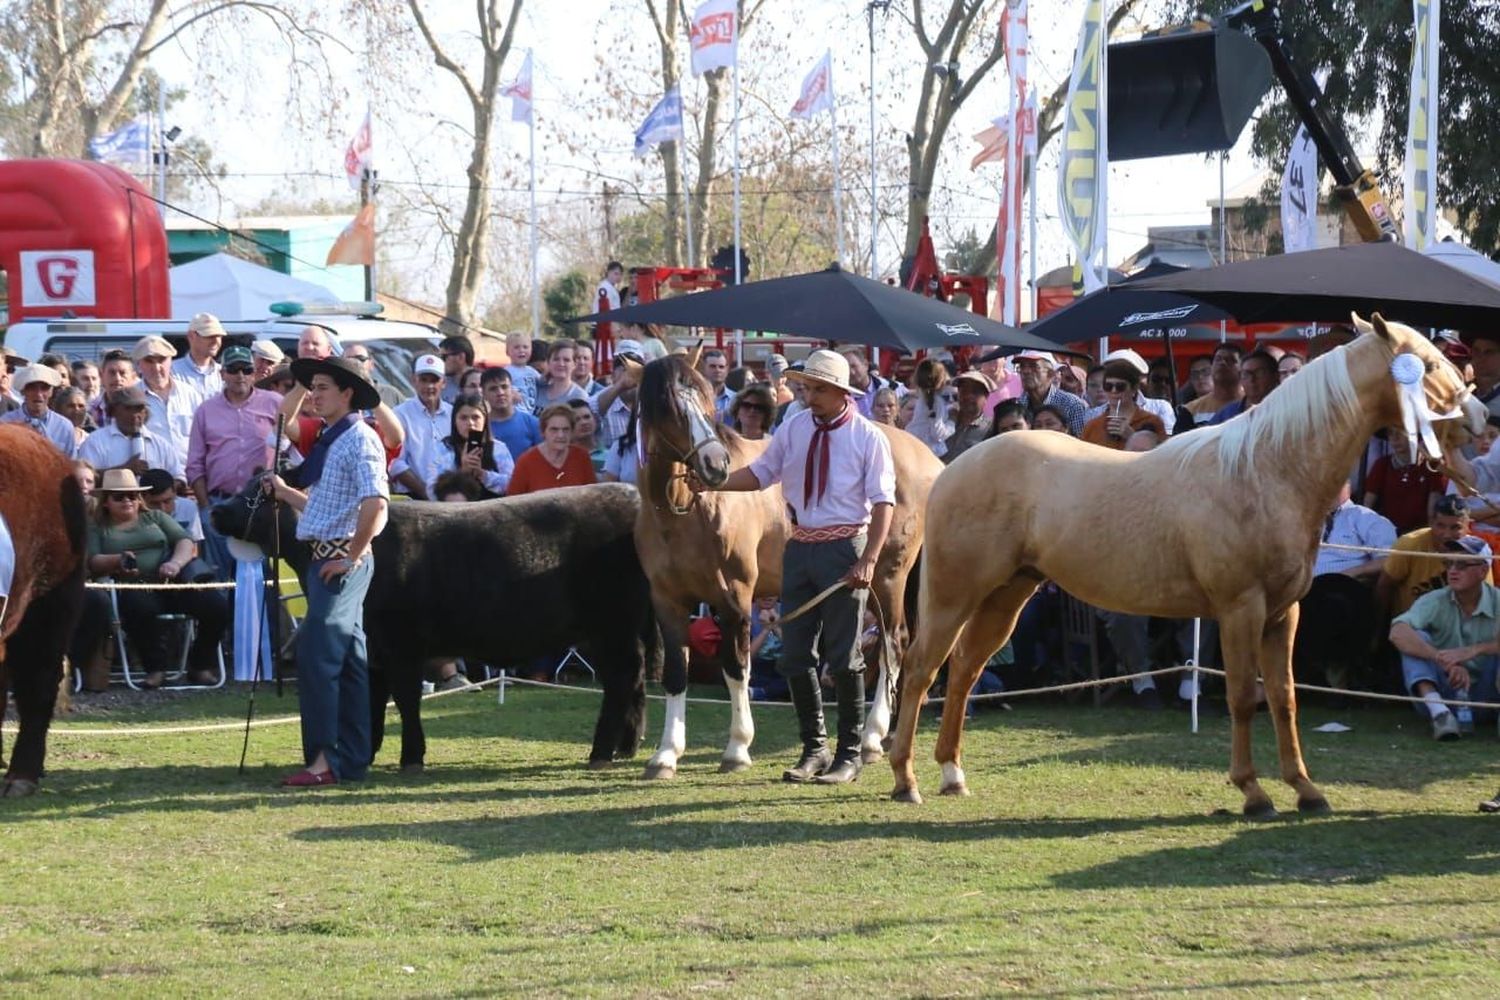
[333,671]
[1414,670]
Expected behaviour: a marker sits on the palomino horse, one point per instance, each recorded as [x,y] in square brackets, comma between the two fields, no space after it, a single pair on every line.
[43,506]
[725,548]
[1220,523]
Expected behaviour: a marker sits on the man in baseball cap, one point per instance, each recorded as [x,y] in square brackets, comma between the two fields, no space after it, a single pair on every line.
[266,356]
[426,420]
[1039,388]
[37,383]
[171,401]
[198,368]
[839,483]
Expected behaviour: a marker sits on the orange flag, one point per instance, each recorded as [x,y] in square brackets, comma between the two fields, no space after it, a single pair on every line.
[356,244]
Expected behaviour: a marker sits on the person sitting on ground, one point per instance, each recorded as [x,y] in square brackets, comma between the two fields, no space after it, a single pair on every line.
[1409,572]
[133,545]
[1447,639]
[1225,385]
[969,423]
[516,428]
[1406,492]
[1009,416]
[886,408]
[1122,415]
[931,422]
[752,412]
[558,387]
[471,450]
[1049,418]
[556,462]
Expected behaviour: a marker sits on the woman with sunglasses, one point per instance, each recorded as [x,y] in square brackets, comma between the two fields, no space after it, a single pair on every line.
[752,410]
[135,545]
[1121,416]
[471,449]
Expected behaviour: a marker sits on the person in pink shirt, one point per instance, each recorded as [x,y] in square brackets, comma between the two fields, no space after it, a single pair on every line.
[228,444]
[997,369]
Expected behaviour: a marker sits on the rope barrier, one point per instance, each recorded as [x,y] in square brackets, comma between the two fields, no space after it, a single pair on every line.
[1446,556]
[220,585]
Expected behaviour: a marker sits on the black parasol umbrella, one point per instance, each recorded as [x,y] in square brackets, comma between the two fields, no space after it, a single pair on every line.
[1126,311]
[830,305]
[1329,284]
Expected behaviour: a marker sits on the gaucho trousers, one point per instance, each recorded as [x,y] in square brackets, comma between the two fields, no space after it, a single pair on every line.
[333,671]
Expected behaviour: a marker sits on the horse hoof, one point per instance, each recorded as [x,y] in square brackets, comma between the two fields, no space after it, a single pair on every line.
[412,770]
[17,788]
[871,755]
[1261,811]
[959,790]
[733,766]
[1314,807]
[660,772]
[910,795]
[603,764]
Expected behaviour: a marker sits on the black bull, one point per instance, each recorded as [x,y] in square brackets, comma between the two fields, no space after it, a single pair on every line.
[501,581]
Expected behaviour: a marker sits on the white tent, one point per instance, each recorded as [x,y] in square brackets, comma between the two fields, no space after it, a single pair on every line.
[232,288]
[1469,261]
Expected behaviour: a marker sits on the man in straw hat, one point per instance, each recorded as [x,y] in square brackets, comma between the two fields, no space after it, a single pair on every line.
[37,383]
[839,481]
[342,496]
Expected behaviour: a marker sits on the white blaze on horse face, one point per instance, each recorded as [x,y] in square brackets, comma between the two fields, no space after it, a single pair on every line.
[673,734]
[741,725]
[706,454]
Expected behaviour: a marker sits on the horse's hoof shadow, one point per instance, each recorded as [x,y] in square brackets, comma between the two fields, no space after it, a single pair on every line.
[733,766]
[910,795]
[659,772]
[18,788]
[413,770]
[1314,807]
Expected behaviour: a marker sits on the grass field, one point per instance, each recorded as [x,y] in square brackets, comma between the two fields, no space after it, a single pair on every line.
[1090,860]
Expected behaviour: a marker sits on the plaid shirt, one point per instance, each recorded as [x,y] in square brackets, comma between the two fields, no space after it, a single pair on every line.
[353,472]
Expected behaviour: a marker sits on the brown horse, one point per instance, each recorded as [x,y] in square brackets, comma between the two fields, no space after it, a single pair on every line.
[1220,523]
[44,509]
[725,548]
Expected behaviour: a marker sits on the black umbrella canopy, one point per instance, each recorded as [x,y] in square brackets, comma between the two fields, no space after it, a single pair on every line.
[830,305]
[1327,285]
[1125,311]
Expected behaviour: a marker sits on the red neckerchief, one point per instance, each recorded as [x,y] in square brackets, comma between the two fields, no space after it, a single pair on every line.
[817,456]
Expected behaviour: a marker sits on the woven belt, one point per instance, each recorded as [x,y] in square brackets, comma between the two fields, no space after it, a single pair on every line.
[336,549]
[832,533]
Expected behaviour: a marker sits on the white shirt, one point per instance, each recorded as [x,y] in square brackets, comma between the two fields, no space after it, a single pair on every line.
[423,452]
[206,381]
[172,418]
[1353,524]
[107,448]
[932,426]
[495,481]
[860,471]
[610,292]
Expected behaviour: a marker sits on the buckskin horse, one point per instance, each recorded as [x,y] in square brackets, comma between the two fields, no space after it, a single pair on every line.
[725,549]
[44,507]
[1220,523]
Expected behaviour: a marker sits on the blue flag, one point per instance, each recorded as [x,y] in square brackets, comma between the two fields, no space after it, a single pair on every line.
[663,124]
[130,143]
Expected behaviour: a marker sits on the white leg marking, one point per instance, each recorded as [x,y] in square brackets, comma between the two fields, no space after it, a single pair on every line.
[953,775]
[878,719]
[673,733]
[741,725]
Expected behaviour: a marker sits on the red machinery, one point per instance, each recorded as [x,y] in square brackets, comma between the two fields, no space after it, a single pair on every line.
[80,238]
[931,280]
[647,285]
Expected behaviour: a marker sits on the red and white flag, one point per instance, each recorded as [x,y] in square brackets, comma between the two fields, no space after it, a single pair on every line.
[994,142]
[1022,142]
[817,90]
[715,34]
[356,244]
[360,156]
[519,92]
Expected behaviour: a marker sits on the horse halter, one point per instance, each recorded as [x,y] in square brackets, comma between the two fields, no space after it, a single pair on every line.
[685,459]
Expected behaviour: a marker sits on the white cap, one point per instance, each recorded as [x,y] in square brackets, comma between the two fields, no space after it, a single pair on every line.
[267,349]
[430,364]
[1130,357]
[1035,356]
[206,325]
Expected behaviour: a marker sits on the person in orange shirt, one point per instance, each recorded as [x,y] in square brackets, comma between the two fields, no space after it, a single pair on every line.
[1121,417]
[556,461]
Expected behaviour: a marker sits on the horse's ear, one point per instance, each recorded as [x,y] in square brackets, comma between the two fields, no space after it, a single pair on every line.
[697,355]
[1360,324]
[1380,325]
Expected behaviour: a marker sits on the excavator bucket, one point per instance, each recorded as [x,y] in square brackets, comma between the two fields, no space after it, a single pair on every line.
[1188,92]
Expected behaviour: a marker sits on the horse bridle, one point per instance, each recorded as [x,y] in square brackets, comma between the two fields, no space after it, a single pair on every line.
[685,459]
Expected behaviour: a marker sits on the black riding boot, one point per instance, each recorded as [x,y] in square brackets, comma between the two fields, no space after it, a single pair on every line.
[850,690]
[808,701]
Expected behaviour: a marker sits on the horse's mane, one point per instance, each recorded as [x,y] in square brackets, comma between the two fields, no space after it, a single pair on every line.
[1317,402]
[658,399]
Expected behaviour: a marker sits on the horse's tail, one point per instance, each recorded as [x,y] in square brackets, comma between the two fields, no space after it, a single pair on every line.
[75,519]
[654,659]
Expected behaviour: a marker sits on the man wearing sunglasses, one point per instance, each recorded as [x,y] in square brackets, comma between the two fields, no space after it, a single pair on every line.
[227,444]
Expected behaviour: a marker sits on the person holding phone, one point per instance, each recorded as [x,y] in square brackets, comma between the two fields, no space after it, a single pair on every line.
[471,449]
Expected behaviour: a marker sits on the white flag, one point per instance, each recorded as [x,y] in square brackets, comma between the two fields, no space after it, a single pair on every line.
[817,90]
[1299,195]
[1083,170]
[360,156]
[519,92]
[715,34]
[1420,169]
[1015,31]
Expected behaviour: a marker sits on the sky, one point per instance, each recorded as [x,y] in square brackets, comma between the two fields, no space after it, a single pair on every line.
[412,144]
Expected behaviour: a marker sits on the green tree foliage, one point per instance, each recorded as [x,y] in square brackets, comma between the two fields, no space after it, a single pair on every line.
[568,294]
[1367,46]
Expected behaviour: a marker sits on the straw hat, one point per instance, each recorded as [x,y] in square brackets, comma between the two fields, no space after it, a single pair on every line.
[119,481]
[827,367]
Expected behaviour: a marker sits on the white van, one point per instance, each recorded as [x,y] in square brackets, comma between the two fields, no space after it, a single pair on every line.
[393,344]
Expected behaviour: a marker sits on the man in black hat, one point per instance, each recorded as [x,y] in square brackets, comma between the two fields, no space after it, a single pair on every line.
[342,496]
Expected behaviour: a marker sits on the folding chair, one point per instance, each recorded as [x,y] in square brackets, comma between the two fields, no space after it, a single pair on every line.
[179,669]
